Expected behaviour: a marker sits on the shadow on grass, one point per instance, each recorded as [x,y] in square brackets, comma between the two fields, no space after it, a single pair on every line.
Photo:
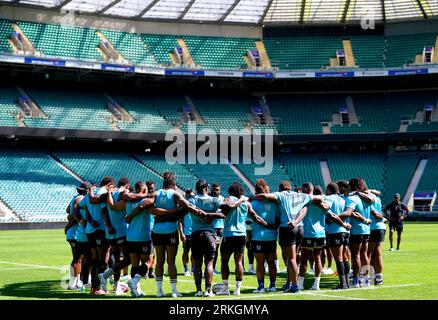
[47,290]
[52,290]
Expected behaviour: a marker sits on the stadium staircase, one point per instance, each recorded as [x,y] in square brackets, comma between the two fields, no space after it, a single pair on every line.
[435,54]
[6,213]
[187,56]
[22,45]
[264,58]
[119,114]
[29,106]
[325,172]
[349,56]
[415,181]
[108,51]
[242,177]
[65,168]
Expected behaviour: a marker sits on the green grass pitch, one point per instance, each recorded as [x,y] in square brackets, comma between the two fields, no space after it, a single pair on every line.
[34,263]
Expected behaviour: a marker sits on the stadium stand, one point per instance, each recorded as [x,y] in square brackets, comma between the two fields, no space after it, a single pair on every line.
[221,173]
[308,113]
[184,177]
[5,32]
[160,46]
[224,112]
[132,47]
[368,51]
[219,52]
[399,169]
[34,186]
[147,117]
[402,50]
[428,181]
[370,167]
[92,166]
[302,168]
[277,175]
[69,109]
[8,106]
[54,40]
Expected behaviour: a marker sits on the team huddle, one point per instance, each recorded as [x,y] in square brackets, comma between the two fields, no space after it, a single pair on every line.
[116,225]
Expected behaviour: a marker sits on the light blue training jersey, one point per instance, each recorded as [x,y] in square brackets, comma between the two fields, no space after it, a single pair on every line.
[139,229]
[95,211]
[377,224]
[290,204]
[338,206]
[117,219]
[219,223]
[269,211]
[165,200]
[314,221]
[234,225]
[206,203]
[72,232]
[362,207]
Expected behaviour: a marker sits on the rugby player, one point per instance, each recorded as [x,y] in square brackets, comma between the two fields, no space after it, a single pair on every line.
[397,213]
[313,217]
[377,236]
[235,236]
[93,203]
[185,231]
[203,236]
[116,236]
[337,235]
[290,234]
[165,234]
[264,239]
[218,223]
[359,208]
[75,232]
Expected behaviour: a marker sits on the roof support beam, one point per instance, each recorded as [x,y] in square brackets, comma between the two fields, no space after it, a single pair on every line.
[265,12]
[187,8]
[303,10]
[62,4]
[420,4]
[383,11]
[109,6]
[346,8]
[149,7]
[227,13]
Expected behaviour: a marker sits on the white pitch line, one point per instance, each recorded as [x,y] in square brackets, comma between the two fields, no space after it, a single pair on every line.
[321,292]
[32,265]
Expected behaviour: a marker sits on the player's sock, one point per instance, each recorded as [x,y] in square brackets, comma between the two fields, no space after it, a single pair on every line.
[316,283]
[198,285]
[159,281]
[108,273]
[301,282]
[186,267]
[286,285]
[142,270]
[276,264]
[272,284]
[72,282]
[173,285]
[250,266]
[260,282]
[341,273]
[225,281]
[238,284]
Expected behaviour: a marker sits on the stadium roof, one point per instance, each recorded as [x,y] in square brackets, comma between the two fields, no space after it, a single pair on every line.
[246,11]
